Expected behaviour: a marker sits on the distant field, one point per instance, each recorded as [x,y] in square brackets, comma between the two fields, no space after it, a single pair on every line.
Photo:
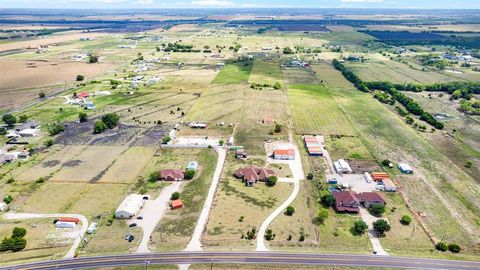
[299,75]
[266,72]
[233,73]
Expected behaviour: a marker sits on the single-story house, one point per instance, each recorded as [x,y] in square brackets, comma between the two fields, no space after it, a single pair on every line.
[341,166]
[405,168]
[30,124]
[371,198]
[129,206]
[172,175]
[65,224]
[346,201]
[192,165]
[176,204]
[284,154]
[252,174]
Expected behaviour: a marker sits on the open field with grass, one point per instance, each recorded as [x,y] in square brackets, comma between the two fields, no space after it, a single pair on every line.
[234,73]
[266,72]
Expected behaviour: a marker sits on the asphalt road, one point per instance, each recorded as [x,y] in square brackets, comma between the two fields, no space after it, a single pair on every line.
[249,258]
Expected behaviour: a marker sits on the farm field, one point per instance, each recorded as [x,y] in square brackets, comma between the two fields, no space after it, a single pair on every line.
[233,73]
[266,72]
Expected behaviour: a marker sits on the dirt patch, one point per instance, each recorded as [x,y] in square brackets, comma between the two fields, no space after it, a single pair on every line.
[362,166]
[72,163]
[50,163]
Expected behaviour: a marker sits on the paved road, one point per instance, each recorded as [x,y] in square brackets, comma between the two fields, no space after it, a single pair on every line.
[195,242]
[248,258]
[78,239]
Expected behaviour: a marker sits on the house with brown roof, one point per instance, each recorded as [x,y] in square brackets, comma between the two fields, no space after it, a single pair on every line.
[371,198]
[251,175]
[346,201]
[172,175]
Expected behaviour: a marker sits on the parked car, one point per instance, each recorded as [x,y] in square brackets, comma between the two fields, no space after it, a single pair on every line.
[140,217]
[131,238]
[132,225]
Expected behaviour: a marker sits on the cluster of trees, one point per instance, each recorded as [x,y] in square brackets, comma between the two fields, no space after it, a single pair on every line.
[350,76]
[55,129]
[108,121]
[236,47]
[9,119]
[470,106]
[260,86]
[16,242]
[178,47]
[287,50]
[384,97]
[442,246]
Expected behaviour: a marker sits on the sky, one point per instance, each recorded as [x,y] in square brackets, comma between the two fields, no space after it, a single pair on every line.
[111,4]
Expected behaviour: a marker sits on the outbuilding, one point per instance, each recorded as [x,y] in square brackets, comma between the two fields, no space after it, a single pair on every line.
[341,166]
[192,165]
[284,154]
[176,204]
[129,206]
[65,224]
[405,168]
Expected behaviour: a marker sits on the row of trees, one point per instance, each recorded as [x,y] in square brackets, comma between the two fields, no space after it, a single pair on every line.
[350,76]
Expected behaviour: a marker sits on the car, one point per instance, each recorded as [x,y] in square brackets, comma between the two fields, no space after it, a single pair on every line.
[132,225]
[140,217]
[131,238]
[127,236]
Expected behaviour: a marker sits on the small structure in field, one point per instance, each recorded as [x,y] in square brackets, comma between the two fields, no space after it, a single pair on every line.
[240,153]
[172,175]
[346,201]
[267,120]
[129,206]
[192,165]
[284,154]
[65,224]
[82,95]
[198,125]
[92,228]
[176,204]
[314,144]
[251,175]
[341,166]
[405,168]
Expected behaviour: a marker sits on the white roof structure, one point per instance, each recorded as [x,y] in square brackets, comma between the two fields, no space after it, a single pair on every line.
[65,224]
[341,166]
[30,132]
[129,206]
[404,167]
[3,207]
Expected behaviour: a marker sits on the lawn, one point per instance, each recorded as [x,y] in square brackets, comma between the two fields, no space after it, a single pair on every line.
[234,73]
[266,72]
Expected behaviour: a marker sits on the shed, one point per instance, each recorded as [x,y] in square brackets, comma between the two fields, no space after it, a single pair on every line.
[192,165]
[176,204]
[65,224]
[3,207]
[405,168]
[341,166]
[68,219]
[129,206]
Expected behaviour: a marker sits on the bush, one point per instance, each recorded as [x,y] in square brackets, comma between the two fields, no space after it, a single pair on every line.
[441,246]
[359,227]
[111,120]
[272,181]
[189,174]
[321,217]
[3,131]
[251,233]
[269,235]
[290,210]
[19,232]
[309,176]
[82,117]
[405,220]
[381,226]
[287,50]
[376,209]
[278,128]
[22,118]
[277,86]
[154,176]
[93,59]
[8,199]
[175,196]
[55,129]
[99,127]
[166,139]
[41,95]
[9,119]
[454,248]
[328,200]
[80,78]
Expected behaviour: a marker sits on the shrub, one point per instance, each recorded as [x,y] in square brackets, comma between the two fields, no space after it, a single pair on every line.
[111,120]
[3,131]
[48,143]
[8,199]
[278,128]
[154,176]
[468,164]
[189,174]
[359,227]
[9,119]
[55,129]
[454,248]
[310,176]
[166,139]
[93,59]
[287,50]
[19,232]
[441,246]
[22,118]
[290,210]
[405,220]
[376,209]
[41,95]
[99,127]
[321,217]
[328,200]
[19,243]
[251,233]
[277,85]
[82,117]
[272,181]
[381,226]
[80,78]
[175,196]
[269,235]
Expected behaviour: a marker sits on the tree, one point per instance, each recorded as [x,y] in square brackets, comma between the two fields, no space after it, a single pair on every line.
[93,59]
[9,119]
[189,174]
[154,176]
[166,139]
[287,50]
[381,226]
[3,131]
[80,78]
[278,128]
[22,118]
[41,95]
[55,129]
[290,210]
[405,220]
[328,200]
[99,127]
[441,246]
[277,85]
[310,176]
[359,227]
[454,248]
[272,181]
[19,232]
[321,217]
[376,209]
[8,199]
[175,196]
[269,235]
[111,120]
[19,243]
[7,244]
[48,143]
[82,117]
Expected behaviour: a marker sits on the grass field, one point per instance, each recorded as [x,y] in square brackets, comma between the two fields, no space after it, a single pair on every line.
[266,72]
[233,73]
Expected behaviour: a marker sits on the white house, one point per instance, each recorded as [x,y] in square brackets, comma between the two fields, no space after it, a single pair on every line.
[129,206]
[341,166]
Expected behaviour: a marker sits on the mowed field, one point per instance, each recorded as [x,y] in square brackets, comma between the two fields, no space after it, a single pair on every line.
[266,72]
[234,73]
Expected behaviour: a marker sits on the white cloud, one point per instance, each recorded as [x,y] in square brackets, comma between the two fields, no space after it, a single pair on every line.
[362,1]
[213,3]
[144,2]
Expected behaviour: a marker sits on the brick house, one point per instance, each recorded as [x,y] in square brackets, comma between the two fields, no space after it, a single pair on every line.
[172,175]
[346,201]
[251,175]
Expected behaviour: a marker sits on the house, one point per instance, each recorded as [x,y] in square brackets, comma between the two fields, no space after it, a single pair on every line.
[346,201]
[65,224]
[314,145]
[28,125]
[192,165]
[240,153]
[172,175]
[29,132]
[341,166]
[176,204]
[379,176]
[251,175]
[370,198]
[129,206]
[284,154]
[405,168]
[3,207]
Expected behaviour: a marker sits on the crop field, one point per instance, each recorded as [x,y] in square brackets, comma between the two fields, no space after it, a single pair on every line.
[299,75]
[234,73]
[266,72]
